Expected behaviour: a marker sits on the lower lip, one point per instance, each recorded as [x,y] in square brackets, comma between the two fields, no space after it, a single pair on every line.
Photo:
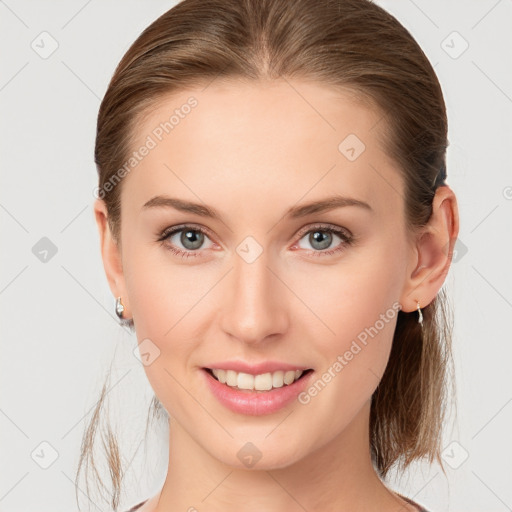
[256,403]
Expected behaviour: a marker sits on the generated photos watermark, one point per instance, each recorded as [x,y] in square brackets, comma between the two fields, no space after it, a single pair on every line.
[344,359]
[157,135]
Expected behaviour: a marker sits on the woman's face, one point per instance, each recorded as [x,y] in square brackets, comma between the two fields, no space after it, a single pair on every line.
[267,283]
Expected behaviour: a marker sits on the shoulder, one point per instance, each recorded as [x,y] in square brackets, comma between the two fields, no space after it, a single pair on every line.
[137,507]
[417,505]
[148,505]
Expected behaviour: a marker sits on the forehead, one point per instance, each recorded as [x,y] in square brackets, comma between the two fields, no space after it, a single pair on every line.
[269,140]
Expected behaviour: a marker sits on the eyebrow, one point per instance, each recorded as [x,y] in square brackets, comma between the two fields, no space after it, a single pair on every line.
[323,205]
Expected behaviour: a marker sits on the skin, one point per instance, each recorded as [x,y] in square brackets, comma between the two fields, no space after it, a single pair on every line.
[251,151]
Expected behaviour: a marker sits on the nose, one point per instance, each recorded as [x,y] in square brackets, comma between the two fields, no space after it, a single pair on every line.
[254,307]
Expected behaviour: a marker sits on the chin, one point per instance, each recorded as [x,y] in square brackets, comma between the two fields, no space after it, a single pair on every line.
[257,453]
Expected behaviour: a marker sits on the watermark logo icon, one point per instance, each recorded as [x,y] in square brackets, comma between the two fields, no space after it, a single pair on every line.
[249,249]
[146,352]
[454,45]
[454,455]
[44,45]
[44,455]
[460,249]
[351,147]
[44,250]
[249,455]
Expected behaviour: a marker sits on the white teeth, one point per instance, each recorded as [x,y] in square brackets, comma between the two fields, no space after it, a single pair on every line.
[278,379]
[221,375]
[245,381]
[231,378]
[289,377]
[262,382]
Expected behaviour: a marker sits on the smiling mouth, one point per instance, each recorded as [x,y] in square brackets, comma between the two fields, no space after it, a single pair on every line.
[262,382]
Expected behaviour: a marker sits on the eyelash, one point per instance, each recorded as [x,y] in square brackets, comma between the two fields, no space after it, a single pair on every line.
[346,238]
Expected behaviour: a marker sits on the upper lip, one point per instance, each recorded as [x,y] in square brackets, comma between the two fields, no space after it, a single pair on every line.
[256,368]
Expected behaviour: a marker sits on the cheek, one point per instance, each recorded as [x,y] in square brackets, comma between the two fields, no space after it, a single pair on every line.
[355,355]
[357,308]
[164,300]
[347,298]
[163,294]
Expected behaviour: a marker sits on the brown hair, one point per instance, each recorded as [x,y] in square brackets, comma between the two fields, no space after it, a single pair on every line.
[351,44]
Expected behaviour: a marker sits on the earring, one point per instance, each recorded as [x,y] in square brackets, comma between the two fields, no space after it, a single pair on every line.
[420,314]
[119,308]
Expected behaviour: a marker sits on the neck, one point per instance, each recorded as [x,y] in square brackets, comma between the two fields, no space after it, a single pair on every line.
[337,476]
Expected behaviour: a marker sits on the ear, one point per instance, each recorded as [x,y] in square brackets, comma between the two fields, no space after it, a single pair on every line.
[111,255]
[433,251]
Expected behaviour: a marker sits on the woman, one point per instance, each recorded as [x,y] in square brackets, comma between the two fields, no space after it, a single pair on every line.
[276,227]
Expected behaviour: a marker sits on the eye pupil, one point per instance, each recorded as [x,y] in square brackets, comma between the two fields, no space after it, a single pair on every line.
[195,238]
[322,237]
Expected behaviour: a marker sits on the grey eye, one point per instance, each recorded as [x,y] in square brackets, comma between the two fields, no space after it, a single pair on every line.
[191,239]
[320,239]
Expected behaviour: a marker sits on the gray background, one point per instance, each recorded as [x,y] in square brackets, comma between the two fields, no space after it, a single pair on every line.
[59,331]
